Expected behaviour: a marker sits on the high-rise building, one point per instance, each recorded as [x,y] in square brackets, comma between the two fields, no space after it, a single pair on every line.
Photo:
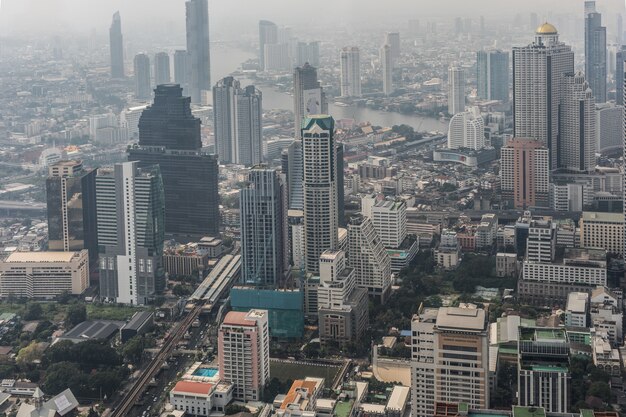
[620,57]
[577,142]
[350,72]
[293,170]
[162,68]
[320,188]
[277,57]
[237,124]
[263,229]
[197,12]
[393,40]
[467,130]
[116,46]
[389,219]
[142,77]
[492,75]
[386,60]
[244,353]
[268,35]
[130,207]
[181,69]
[308,96]
[169,135]
[524,173]
[447,343]
[308,52]
[71,202]
[456,89]
[538,71]
[595,52]
[620,29]
[369,259]
[609,127]
[342,307]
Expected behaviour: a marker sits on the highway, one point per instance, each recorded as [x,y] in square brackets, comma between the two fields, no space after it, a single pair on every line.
[137,389]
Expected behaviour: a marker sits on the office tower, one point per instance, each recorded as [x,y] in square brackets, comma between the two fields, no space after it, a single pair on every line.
[341,204]
[293,170]
[237,124]
[393,40]
[369,259]
[263,229]
[342,306]
[595,52]
[524,173]
[386,61]
[129,120]
[538,71]
[244,353]
[350,72]
[456,89]
[169,135]
[162,68]
[620,57]
[319,155]
[71,203]
[116,46]
[609,127]
[447,343]
[541,242]
[577,142]
[620,30]
[602,230]
[543,375]
[389,219]
[308,52]
[268,35]
[130,207]
[295,219]
[308,96]
[467,130]
[181,69]
[277,57]
[142,77]
[492,75]
[197,12]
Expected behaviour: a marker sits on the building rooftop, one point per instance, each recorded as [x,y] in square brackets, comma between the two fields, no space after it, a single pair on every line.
[242,318]
[301,391]
[593,216]
[462,318]
[92,330]
[193,387]
[577,302]
[138,320]
[519,411]
[17,257]
[546,29]
[399,397]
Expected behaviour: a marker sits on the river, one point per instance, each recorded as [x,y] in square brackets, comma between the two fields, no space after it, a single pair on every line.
[225,60]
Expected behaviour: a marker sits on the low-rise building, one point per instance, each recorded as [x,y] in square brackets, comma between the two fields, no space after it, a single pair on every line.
[576,310]
[140,323]
[301,399]
[200,398]
[602,230]
[506,265]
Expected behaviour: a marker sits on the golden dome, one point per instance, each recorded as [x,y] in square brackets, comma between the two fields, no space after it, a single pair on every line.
[546,29]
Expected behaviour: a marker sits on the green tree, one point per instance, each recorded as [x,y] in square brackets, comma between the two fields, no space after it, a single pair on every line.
[133,350]
[76,313]
[181,290]
[33,311]
[29,354]
[234,409]
[62,375]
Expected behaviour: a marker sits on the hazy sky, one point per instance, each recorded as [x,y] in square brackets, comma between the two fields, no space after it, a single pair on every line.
[45,16]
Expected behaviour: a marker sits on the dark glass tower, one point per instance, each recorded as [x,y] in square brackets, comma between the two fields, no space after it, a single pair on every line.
[198,47]
[169,135]
[116,44]
[595,53]
[71,201]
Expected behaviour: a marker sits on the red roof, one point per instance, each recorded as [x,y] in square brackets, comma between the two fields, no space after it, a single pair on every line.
[238,318]
[193,387]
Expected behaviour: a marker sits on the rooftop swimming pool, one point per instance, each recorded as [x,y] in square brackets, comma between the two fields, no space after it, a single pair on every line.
[206,372]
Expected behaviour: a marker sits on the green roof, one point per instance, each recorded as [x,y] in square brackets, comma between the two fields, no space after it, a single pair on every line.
[463,407]
[585,412]
[324,121]
[548,368]
[343,408]
[519,411]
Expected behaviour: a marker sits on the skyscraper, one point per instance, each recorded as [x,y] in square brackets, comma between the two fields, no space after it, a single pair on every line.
[538,71]
[320,188]
[467,130]
[237,115]
[142,77]
[162,68]
[577,142]
[308,52]
[130,209]
[492,75]
[263,229]
[350,72]
[169,135]
[456,89]
[386,60]
[620,30]
[71,203]
[524,173]
[369,259]
[244,353]
[268,35]
[620,57]
[293,171]
[447,343]
[181,69]
[197,12]
[393,40]
[116,46]
[595,52]
[308,95]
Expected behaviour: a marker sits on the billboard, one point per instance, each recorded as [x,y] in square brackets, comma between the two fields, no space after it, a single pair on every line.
[312,101]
